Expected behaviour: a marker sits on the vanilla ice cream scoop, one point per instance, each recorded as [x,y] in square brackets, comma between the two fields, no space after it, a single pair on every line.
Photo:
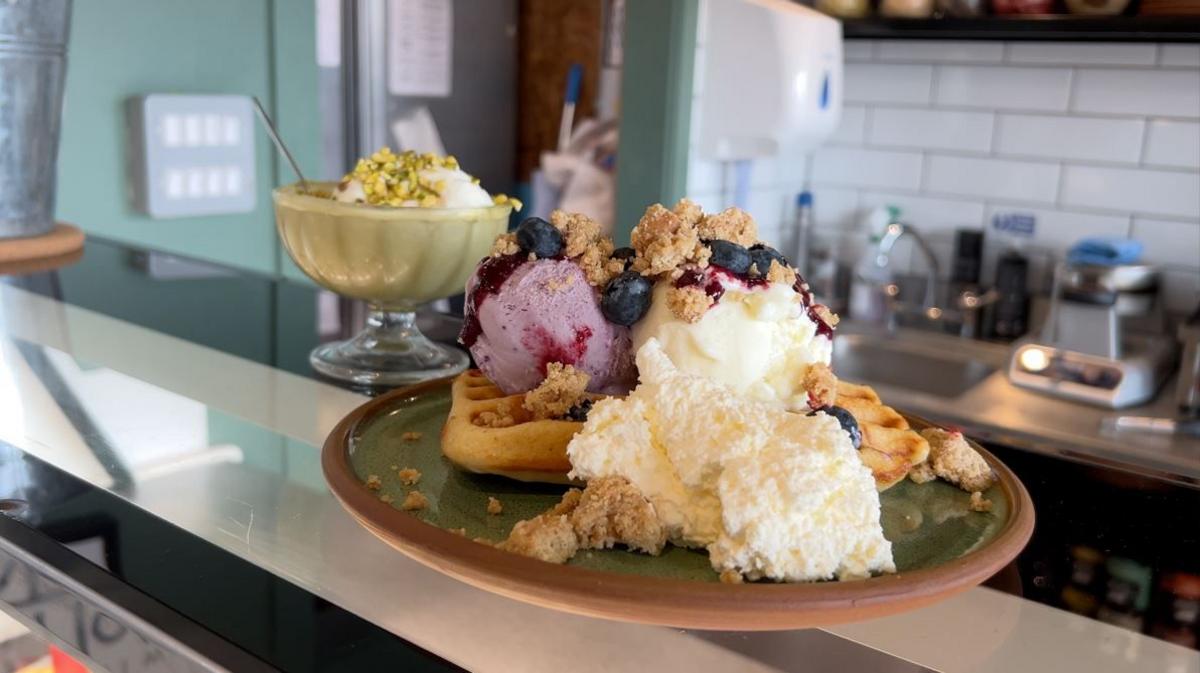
[758,339]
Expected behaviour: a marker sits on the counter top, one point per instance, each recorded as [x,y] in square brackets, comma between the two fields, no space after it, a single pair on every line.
[995,410]
[225,450]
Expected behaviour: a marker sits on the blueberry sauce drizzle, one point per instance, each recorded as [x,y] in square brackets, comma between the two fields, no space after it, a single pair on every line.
[696,278]
[712,286]
[549,349]
[490,275]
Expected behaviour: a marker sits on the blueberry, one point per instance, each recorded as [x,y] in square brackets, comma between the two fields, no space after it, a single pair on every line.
[730,256]
[539,237]
[626,299]
[849,424]
[579,412]
[625,254]
[761,256]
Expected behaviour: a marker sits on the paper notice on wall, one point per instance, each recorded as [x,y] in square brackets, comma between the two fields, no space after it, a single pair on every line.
[420,42]
[329,33]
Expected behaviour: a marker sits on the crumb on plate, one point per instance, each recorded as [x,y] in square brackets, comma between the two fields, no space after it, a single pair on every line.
[409,476]
[922,473]
[612,511]
[374,482]
[546,537]
[731,576]
[954,460]
[494,506]
[980,503]
[410,436]
[414,501]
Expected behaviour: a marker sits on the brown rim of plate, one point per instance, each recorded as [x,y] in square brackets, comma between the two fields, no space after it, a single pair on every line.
[662,601]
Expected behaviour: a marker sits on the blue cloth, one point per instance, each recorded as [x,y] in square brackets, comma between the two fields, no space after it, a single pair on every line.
[1105,251]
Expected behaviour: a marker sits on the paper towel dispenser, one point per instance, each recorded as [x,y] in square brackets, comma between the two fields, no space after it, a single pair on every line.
[771,78]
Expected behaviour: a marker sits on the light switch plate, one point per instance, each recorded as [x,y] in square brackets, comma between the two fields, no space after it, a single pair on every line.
[191,155]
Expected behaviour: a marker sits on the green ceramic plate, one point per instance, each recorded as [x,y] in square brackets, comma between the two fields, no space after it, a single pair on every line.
[930,525]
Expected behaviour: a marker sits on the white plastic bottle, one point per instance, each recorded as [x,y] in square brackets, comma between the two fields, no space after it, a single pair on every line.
[867,300]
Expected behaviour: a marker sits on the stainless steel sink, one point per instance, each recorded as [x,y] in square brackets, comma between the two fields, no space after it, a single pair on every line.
[932,364]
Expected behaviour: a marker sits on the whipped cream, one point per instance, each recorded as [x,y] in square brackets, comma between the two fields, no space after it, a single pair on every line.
[759,342]
[767,492]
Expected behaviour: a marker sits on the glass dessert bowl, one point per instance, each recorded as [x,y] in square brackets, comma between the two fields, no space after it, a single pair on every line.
[395,259]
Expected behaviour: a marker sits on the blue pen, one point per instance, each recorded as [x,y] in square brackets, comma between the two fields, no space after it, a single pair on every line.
[567,122]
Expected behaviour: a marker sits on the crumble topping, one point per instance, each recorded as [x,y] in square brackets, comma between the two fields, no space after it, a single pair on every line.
[732,224]
[504,245]
[607,512]
[821,385]
[374,482]
[502,417]
[597,263]
[562,389]
[494,506]
[954,460]
[688,303]
[579,232]
[980,503]
[547,537]
[414,501]
[690,212]
[611,511]
[779,273]
[665,240]
[731,576]
[569,502]
[410,436]
[825,314]
[409,476]
[560,283]
[922,473]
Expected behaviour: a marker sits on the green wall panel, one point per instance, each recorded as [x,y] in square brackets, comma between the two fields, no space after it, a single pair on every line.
[121,48]
[656,103]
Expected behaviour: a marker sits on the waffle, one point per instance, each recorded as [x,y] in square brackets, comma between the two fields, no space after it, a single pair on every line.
[527,450]
[889,446]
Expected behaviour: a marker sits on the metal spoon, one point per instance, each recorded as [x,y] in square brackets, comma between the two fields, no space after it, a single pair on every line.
[274,134]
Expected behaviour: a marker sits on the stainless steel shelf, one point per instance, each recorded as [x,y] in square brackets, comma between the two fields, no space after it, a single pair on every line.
[1050,27]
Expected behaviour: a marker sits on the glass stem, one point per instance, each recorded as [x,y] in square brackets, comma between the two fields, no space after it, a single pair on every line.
[395,324]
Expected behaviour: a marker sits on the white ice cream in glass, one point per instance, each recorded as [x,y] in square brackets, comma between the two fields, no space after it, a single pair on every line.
[398,231]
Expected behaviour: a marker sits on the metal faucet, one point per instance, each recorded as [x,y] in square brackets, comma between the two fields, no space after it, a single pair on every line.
[893,233]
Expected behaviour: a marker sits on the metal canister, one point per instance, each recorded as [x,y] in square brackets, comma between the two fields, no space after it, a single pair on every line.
[33,69]
[1187,394]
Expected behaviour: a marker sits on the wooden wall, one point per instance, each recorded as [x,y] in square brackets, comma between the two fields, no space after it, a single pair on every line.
[553,35]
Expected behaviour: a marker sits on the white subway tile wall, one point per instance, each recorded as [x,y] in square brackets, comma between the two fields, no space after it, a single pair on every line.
[1172,143]
[1091,139]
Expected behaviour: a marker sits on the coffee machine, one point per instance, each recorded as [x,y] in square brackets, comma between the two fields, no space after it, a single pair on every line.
[1104,340]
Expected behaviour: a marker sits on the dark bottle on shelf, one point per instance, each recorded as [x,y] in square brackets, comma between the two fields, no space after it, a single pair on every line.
[964,277]
[1010,313]
[1177,609]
